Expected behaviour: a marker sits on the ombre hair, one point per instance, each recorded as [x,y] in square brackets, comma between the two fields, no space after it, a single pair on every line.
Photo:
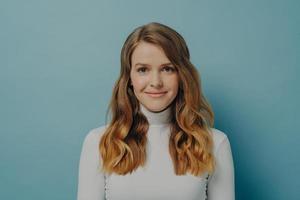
[123,144]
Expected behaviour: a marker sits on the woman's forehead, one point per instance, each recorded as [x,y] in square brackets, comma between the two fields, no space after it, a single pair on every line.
[147,54]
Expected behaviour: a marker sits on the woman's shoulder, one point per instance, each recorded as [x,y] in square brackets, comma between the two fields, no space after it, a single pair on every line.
[98,130]
[94,134]
[218,138]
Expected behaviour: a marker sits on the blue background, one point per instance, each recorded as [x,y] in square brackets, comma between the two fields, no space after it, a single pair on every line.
[60,59]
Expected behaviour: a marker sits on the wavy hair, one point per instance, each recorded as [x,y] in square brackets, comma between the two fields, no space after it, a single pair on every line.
[123,144]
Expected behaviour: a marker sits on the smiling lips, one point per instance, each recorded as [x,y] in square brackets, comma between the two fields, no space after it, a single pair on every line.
[156,94]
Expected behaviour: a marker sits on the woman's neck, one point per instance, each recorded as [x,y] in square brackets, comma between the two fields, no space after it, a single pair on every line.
[157,118]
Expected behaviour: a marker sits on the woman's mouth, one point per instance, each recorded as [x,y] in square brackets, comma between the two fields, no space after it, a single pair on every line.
[156,94]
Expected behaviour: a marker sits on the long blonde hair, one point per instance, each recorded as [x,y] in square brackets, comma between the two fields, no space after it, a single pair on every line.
[123,144]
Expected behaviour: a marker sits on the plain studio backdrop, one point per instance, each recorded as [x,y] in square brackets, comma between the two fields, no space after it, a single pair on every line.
[59,60]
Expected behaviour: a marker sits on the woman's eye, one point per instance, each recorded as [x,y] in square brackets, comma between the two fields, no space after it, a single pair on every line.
[169,69]
[142,69]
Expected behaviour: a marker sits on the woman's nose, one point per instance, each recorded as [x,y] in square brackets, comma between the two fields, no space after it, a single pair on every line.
[156,80]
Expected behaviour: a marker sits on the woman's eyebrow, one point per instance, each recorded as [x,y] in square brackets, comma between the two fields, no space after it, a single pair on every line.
[144,64]
[166,64]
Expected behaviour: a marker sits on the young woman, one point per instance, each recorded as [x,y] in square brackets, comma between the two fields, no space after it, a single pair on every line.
[160,143]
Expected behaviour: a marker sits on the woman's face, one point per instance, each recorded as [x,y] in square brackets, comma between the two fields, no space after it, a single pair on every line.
[153,77]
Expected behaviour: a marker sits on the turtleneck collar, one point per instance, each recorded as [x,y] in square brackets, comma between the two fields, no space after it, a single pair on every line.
[157,118]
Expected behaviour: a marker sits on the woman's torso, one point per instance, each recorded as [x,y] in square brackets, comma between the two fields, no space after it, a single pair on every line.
[156,180]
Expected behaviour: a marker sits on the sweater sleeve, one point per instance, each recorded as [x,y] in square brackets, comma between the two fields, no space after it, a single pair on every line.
[221,183]
[91,181]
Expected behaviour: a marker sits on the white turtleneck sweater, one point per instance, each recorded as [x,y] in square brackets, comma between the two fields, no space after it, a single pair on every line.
[155,181]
